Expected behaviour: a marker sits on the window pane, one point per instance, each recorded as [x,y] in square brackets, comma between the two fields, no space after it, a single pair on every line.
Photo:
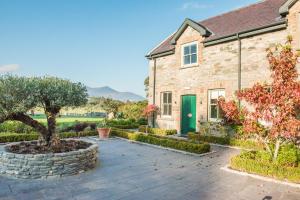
[170,98]
[221,93]
[187,50]
[187,60]
[214,101]
[194,48]
[165,97]
[170,109]
[194,58]
[221,113]
[214,94]
[165,110]
[214,111]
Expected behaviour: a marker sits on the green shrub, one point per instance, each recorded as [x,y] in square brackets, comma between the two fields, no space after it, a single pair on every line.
[78,134]
[288,155]
[76,127]
[210,139]
[259,163]
[18,137]
[142,121]
[163,141]
[15,127]
[247,144]
[157,131]
[123,124]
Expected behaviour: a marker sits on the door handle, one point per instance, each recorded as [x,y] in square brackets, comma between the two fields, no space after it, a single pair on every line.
[190,115]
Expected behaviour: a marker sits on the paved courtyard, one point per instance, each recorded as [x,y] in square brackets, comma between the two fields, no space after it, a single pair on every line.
[133,171]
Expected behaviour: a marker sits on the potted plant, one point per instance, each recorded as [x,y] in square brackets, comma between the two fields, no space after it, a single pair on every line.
[103,130]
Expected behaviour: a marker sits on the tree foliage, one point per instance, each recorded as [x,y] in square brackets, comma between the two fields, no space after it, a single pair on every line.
[133,110]
[273,117]
[19,95]
[111,105]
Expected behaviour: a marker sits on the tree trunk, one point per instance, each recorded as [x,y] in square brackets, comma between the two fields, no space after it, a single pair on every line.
[266,143]
[51,119]
[30,122]
[277,147]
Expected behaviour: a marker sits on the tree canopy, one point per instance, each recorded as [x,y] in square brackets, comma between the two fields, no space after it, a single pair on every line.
[19,95]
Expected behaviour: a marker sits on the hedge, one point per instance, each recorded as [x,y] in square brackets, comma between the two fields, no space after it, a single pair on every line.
[247,144]
[19,127]
[164,142]
[18,137]
[157,131]
[248,162]
[123,124]
[15,127]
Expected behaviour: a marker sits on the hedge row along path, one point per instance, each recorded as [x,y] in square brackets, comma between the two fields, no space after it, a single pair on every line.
[131,171]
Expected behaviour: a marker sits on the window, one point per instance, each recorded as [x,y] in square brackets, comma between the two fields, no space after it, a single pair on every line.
[190,54]
[214,110]
[167,103]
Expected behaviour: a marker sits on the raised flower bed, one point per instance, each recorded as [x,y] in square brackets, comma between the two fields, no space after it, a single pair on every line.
[35,162]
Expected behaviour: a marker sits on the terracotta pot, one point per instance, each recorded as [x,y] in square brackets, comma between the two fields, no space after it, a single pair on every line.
[103,133]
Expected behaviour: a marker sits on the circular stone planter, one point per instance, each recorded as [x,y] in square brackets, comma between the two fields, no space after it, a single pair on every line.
[34,166]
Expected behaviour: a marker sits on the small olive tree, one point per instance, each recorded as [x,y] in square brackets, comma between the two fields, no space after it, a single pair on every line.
[19,95]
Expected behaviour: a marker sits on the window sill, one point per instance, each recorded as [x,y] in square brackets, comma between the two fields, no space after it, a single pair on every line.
[189,66]
[166,117]
[215,120]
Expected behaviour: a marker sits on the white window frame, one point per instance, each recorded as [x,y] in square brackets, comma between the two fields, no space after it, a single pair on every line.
[210,104]
[168,104]
[182,55]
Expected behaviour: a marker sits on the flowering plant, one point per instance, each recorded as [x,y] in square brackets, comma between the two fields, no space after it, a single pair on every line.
[150,110]
[274,117]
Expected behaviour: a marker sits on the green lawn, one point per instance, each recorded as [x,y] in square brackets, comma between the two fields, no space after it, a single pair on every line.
[73,119]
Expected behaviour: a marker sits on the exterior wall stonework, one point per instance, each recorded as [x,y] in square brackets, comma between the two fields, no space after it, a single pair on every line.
[217,69]
[294,24]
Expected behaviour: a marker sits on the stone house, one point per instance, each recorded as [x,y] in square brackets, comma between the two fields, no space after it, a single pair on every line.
[203,60]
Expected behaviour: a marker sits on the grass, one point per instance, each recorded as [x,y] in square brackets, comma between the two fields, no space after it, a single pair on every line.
[73,119]
[255,163]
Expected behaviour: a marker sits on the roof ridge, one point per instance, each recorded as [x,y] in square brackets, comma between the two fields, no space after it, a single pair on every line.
[235,10]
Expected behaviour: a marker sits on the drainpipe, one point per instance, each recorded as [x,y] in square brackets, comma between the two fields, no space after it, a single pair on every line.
[154,90]
[239,65]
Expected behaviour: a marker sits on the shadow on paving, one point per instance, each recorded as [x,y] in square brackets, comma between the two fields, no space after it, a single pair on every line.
[133,171]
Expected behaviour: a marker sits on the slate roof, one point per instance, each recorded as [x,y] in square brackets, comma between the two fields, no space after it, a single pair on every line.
[255,16]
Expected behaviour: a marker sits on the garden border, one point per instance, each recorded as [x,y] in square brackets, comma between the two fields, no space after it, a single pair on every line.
[166,148]
[255,176]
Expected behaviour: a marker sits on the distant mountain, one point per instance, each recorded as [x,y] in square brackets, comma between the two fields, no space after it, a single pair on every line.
[108,92]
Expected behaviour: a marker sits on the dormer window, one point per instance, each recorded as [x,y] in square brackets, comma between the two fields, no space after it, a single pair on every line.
[190,54]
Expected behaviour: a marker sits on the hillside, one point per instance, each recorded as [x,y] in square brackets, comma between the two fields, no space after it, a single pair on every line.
[108,92]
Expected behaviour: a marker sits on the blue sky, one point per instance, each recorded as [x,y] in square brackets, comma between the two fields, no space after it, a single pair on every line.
[97,42]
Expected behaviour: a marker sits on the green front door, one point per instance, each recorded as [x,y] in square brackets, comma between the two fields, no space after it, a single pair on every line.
[188,114]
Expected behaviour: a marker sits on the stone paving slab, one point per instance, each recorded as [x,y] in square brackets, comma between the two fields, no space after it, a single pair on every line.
[129,171]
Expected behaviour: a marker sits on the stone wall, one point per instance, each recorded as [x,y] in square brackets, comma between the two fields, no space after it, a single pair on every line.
[217,69]
[34,166]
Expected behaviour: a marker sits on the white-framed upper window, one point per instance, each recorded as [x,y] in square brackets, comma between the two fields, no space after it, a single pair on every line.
[214,112]
[189,54]
[166,103]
